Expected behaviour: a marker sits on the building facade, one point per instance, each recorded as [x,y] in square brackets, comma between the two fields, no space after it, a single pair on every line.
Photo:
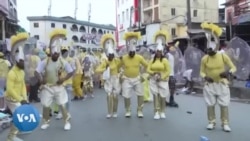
[127,16]
[171,14]
[8,17]
[237,11]
[77,31]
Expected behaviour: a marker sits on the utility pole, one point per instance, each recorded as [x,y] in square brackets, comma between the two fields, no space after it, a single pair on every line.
[189,19]
[89,18]
[76,8]
[49,8]
[139,13]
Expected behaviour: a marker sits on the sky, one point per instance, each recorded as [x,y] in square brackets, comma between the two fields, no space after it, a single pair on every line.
[103,11]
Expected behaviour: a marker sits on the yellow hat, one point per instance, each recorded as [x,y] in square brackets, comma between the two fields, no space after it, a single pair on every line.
[65,48]
[1,54]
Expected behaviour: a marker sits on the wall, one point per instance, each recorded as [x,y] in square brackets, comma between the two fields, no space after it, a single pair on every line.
[207,10]
[123,23]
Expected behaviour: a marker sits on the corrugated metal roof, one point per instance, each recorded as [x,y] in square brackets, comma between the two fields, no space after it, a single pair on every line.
[69,19]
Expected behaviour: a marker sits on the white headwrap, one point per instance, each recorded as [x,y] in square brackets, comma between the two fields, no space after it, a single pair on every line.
[110,49]
[212,45]
[159,47]
[20,55]
[55,49]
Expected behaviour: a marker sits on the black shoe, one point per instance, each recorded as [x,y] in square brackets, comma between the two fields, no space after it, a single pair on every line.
[37,100]
[81,98]
[173,104]
[75,98]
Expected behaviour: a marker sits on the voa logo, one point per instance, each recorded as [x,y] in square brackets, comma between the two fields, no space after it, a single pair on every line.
[26,118]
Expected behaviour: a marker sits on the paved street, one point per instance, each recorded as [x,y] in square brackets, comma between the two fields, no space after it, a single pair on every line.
[89,123]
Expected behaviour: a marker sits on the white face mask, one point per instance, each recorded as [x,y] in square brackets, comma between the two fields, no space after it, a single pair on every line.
[20,55]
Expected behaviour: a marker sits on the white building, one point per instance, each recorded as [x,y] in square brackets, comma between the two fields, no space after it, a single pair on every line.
[77,31]
[126,16]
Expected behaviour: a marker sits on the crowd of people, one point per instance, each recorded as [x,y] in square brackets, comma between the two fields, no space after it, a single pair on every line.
[67,70]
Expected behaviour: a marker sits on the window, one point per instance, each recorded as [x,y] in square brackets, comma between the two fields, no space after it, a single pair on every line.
[37,37]
[64,26]
[195,13]
[36,25]
[127,15]
[118,3]
[173,11]
[112,32]
[53,25]
[173,31]
[156,2]
[123,18]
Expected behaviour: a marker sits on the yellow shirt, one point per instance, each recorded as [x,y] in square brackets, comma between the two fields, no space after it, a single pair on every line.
[160,66]
[114,66]
[78,66]
[33,63]
[4,69]
[69,81]
[131,66]
[16,88]
[213,66]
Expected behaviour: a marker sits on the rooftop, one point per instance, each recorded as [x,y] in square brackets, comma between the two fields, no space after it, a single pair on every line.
[68,19]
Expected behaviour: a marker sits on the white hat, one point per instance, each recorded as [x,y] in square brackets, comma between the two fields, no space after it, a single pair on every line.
[20,55]
[55,49]
[110,49]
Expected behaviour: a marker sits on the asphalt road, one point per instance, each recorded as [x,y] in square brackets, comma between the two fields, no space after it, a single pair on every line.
[89,123]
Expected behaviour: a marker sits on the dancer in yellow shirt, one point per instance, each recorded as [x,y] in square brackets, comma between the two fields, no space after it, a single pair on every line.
[159,70]
[131,77]
[212,69]
[111,84]
[16,93]
[77,77]
[4,69]
[33,61]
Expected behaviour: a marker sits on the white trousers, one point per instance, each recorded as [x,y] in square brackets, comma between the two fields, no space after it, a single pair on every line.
[112,85]
[216,92]
[131,86]
[160,88]
[57,94]
[12,105]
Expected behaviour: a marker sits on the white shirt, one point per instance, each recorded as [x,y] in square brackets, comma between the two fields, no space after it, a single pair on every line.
[41,66]
[171,62]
